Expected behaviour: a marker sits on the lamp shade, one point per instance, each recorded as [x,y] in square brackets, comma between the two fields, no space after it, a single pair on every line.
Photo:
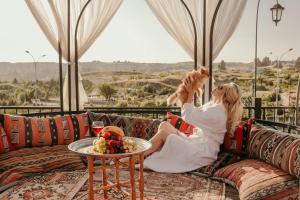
[277,12]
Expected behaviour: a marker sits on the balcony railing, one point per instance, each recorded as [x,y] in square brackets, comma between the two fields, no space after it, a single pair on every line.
[275,114]
[283,120]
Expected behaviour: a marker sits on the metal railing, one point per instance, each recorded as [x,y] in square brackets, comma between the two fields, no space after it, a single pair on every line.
[284,121]
[273,114]
[28,109]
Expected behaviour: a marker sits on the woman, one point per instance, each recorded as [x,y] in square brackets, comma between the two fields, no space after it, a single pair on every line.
[174,152]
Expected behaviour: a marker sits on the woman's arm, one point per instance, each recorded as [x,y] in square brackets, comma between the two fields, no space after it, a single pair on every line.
[188,84]
[188,109]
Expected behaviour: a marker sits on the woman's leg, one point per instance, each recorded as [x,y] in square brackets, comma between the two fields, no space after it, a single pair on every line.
[164,130]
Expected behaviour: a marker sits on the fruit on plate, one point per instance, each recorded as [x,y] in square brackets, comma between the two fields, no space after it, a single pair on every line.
[99,145]
[129,145]
[112,133]
[112,141]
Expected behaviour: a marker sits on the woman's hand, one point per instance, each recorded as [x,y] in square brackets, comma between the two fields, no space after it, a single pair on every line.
[187,81]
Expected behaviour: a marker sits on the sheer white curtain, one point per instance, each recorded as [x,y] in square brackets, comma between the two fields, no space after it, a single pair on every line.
[175,19]
[52,17]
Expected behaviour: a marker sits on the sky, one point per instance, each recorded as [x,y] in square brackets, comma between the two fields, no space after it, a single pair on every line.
[135,34]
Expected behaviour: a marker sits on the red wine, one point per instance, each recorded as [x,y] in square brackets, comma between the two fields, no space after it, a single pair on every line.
[97,129]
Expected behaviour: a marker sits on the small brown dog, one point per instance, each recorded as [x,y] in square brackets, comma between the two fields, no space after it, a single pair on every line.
[181,94]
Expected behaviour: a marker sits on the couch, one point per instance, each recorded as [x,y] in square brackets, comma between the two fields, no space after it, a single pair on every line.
[257,162]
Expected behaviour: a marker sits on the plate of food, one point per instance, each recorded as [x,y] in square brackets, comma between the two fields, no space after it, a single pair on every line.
[111,143]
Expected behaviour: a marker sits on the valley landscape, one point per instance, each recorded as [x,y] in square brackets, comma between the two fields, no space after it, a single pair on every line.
[131,84]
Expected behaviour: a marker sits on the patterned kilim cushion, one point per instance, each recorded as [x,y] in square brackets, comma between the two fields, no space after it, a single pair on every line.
[180,124]
[5,141]
[24,162]
[224,159]
[132,126]
[258,180]
[33,132]
[276,148]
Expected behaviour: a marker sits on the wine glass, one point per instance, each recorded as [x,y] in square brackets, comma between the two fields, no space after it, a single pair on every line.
[97,127]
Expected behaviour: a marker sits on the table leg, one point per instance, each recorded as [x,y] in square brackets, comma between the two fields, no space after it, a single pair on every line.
[117,173]
[132,179]
[104,177]
[141,178]
[91,178]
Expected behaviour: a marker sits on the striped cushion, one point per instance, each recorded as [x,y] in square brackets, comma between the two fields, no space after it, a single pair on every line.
[5,141]
[28,161]
[258,180]
[180,124]
[276,148]
[33,132]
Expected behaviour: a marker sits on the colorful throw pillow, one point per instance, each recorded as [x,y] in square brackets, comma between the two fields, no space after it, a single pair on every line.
[275,147]
[25,162]
[33,131]
[5,141]
[237,143]
[180,124]
[258,180]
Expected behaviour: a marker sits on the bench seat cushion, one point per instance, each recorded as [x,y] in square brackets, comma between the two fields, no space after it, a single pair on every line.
[24,162]
[255,179]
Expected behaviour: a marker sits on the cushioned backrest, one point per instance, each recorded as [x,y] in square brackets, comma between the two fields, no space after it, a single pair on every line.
[5,141]
[274,147]
[132,126]
[33,131]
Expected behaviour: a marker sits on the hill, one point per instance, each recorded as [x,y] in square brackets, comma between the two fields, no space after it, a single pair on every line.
[49,70]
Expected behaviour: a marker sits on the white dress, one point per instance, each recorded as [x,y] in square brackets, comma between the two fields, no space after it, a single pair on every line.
[181,153]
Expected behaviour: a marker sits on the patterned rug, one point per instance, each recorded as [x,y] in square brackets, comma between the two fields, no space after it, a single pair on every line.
[50,186]
[158,186]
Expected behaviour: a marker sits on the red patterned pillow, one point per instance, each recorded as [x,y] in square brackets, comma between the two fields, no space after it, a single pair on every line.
[5,141]
[33,131]
[180,124]
[234,143]
[258,180]
[238,142]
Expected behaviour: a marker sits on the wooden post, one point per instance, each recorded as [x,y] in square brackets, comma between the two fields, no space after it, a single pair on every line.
[132,179]
[104,177]
[91,178]
[141,178]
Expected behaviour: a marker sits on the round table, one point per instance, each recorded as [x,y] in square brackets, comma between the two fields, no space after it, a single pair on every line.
[84,147]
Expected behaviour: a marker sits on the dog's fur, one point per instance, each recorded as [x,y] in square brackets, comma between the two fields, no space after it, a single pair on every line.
[181,94]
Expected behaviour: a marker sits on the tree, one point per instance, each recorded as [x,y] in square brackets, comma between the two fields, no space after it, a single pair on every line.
[266,61]
[258,62]
[107,91]
[222,66]
[297,64]
[272,97]
[15,81]
[88,86]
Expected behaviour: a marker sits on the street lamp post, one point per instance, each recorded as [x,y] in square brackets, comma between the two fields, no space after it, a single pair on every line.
[276,17]
[278,59]
[35,66]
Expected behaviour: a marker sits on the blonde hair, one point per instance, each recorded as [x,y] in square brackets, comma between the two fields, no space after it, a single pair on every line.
[231,100]
[234,106]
